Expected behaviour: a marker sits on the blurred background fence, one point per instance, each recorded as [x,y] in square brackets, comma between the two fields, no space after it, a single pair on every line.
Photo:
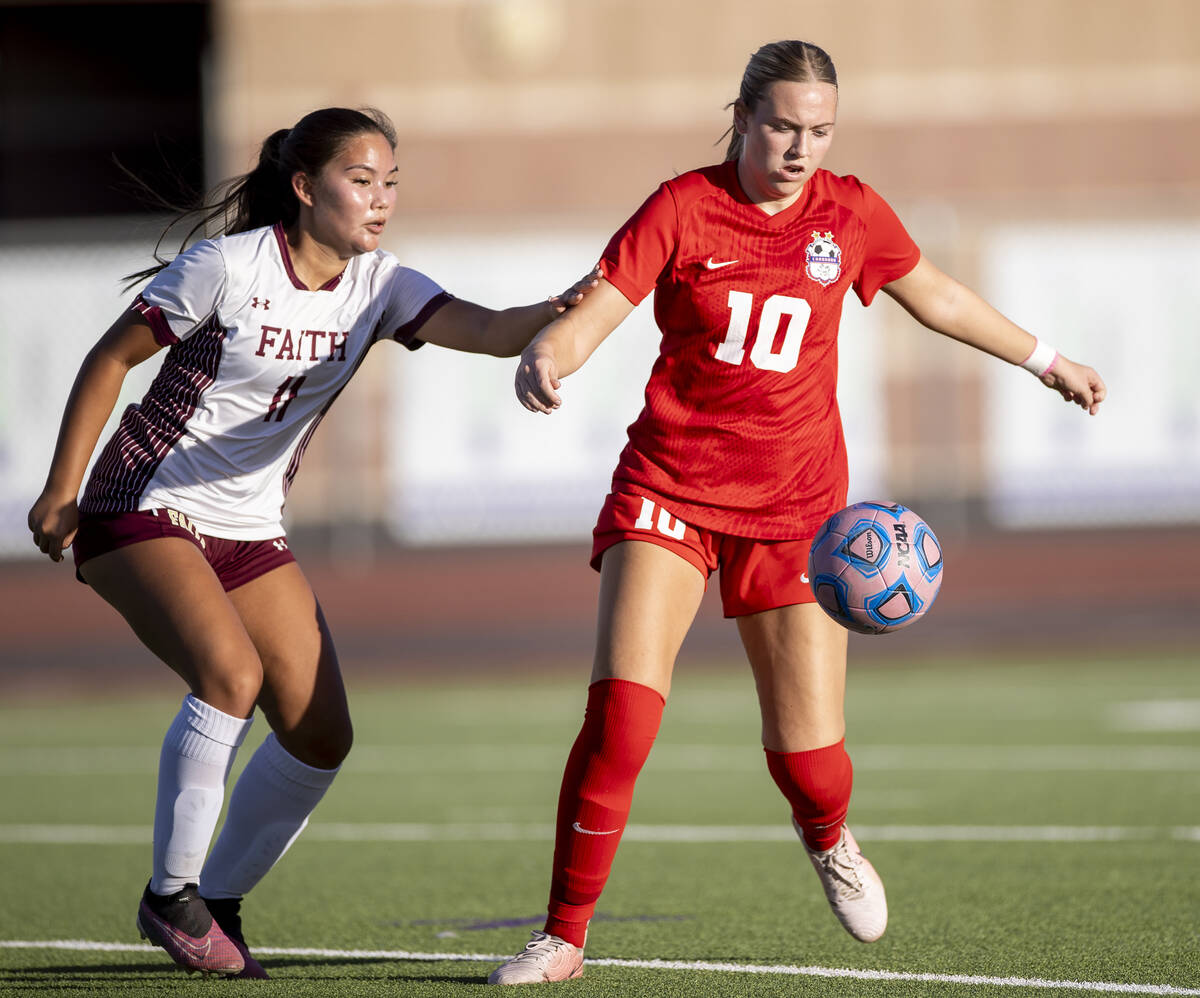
[1046,152]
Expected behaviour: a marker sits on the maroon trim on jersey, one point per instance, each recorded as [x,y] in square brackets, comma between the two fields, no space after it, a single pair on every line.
[403,335]
[156,321]
[407,333]
[149,431]
[289,474]
[281,240]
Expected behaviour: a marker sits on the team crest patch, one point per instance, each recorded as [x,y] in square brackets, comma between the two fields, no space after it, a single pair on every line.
[823,259]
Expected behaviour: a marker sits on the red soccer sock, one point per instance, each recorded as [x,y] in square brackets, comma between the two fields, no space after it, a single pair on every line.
[817,785]
[619,727]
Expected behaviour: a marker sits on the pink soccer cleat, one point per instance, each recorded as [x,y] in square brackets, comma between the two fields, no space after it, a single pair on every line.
[181,924]
[852,886]
[545,958]
[227,914]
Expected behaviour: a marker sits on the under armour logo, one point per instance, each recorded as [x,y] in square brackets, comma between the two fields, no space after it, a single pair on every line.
[279,545]
[256,302]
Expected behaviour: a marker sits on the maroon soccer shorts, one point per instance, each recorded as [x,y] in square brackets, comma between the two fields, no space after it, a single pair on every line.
[756,575]
[235,562]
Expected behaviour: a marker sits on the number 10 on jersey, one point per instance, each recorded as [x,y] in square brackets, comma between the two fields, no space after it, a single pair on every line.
[732,349]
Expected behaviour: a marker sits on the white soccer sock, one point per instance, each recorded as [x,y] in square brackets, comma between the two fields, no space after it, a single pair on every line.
[268,810]
[196,757]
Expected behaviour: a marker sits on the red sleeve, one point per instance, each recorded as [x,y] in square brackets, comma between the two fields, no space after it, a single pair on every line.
[890,251]
[637,253]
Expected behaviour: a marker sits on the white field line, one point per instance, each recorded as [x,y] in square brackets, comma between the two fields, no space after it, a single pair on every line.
[666,757]
[1155,715]
[31,834]
[1108,987]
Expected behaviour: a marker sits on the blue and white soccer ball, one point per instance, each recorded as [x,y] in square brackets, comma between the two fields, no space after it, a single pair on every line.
[875,567]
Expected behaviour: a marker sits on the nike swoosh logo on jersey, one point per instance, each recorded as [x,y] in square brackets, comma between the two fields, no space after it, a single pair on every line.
[587,831]
[713,265]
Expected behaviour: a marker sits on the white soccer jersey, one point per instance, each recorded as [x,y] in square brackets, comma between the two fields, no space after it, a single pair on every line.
[255,360]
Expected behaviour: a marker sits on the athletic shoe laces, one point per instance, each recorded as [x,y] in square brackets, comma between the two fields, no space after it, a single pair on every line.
[540,950]
[841,863]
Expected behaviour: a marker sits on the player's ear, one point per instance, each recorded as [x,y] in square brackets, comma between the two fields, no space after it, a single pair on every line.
[302,185]
[741,117]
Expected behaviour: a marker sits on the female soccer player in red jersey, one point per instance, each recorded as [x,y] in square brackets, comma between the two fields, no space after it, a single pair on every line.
[734,462]
[180,527]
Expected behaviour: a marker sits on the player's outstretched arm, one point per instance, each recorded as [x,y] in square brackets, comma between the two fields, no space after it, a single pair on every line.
[463,325]
[563,346]
[55,515]
[941,303]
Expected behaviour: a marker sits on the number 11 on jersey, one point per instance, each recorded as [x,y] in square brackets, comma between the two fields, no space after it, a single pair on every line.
[732,349]
[283,398]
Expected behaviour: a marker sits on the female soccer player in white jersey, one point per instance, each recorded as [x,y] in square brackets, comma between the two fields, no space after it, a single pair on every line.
[734,462]
[180,524]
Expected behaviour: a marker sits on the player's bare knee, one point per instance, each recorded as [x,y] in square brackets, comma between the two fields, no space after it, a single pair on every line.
[232,689]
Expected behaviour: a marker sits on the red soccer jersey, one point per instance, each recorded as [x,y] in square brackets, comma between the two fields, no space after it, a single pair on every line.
[741,432]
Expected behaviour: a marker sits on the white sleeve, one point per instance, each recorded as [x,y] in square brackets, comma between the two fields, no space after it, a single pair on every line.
[183,296]
[411,299]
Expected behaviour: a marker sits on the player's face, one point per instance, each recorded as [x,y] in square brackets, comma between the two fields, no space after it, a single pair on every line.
[353,196]
[784,140]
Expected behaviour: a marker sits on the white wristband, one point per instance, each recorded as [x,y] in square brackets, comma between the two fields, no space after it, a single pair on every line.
[1041,360]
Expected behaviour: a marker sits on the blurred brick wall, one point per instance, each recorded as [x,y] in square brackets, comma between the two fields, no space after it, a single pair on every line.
[535,114]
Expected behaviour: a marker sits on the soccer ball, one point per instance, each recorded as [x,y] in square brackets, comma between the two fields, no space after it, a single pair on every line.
[875,567]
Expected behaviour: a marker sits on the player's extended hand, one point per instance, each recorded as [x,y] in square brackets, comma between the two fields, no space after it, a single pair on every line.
[1076,383]
[576,292]
[53,522]
[537,380]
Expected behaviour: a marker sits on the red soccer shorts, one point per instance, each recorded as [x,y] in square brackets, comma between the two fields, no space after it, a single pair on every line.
[756,575]
[235,562]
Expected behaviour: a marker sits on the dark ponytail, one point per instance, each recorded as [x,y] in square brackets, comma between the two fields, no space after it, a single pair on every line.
[264,196]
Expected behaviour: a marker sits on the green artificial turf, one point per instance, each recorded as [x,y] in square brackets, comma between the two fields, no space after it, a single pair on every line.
[434,840]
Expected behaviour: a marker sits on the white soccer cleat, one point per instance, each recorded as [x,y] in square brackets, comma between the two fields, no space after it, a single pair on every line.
[852,886]
[545,958]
